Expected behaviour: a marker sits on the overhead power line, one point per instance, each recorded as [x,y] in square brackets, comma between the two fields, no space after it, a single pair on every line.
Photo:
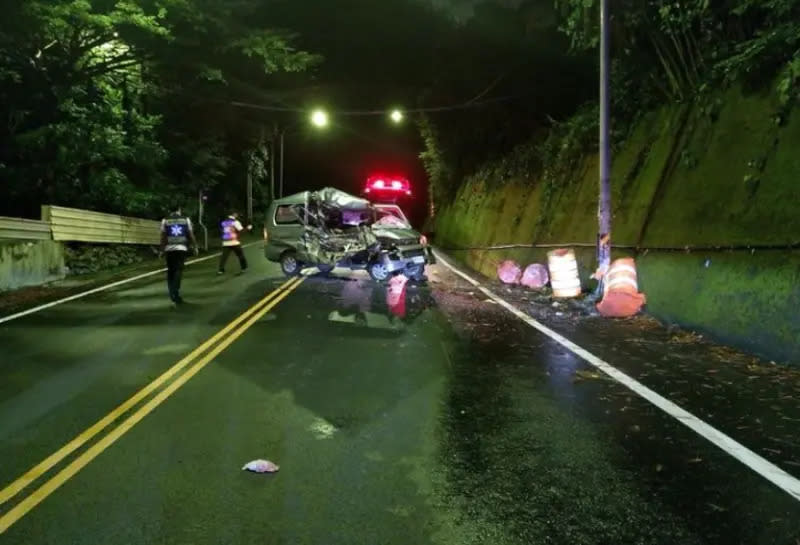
[463,106]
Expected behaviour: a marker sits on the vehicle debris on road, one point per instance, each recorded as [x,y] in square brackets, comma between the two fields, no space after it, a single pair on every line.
[261,466]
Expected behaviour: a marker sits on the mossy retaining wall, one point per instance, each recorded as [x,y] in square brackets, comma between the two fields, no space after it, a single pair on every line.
[30,263]
[722,174]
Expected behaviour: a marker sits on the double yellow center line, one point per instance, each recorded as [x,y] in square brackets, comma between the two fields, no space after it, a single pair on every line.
[211,348]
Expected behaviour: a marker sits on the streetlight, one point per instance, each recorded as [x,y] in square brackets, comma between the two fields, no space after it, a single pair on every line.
[319,118]
[396,116]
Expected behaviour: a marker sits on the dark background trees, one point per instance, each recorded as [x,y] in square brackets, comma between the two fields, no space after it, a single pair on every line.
[120,105]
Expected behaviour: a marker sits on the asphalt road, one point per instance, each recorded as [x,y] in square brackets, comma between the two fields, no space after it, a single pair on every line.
[438,419]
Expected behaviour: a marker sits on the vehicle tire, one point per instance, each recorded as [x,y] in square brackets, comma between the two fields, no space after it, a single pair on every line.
[325,270]
[378,271]
[289,264]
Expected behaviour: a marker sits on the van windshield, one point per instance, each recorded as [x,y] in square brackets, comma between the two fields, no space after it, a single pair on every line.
[388,217]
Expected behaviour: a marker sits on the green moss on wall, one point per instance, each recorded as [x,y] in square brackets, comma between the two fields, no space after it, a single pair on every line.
[721,172]
[744,299]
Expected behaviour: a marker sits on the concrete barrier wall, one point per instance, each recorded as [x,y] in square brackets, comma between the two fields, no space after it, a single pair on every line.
[748,300]
[682,179]
[72,224]
[30,263]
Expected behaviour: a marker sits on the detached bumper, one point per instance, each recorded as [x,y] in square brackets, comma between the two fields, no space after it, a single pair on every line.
[406,258]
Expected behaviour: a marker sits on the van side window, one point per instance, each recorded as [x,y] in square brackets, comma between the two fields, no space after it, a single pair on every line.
[285,215]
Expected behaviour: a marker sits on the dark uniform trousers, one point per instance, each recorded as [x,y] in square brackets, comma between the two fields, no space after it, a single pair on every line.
[226,252]
[175,263]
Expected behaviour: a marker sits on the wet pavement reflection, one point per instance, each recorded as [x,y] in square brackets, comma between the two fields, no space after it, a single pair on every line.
[404,413]
[603,465]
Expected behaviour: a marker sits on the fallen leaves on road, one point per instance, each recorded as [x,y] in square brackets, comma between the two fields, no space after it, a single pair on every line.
[685,337]
[588,374]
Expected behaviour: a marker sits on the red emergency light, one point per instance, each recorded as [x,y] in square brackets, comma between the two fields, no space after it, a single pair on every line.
[388,184]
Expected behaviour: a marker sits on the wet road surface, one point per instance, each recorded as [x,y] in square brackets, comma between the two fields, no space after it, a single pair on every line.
[432,416]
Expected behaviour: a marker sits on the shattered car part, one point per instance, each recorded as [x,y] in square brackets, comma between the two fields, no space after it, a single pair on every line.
[261,466]
[336,226]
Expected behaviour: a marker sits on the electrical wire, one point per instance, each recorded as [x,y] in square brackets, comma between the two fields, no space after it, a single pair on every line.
[350,113]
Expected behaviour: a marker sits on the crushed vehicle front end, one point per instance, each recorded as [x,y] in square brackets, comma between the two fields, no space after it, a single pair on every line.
[324,228]
[337,228]
[402,252]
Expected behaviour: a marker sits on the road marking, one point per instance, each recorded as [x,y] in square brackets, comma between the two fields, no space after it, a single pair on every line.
[41,493]
[45,465]
[99,289]
[763,467]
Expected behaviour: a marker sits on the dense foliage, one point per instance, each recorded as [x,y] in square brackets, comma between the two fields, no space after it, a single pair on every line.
[106,102]
[117,105]
[663,51]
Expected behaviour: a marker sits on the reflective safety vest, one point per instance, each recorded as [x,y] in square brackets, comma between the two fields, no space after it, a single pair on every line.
[177,229]
[230,235]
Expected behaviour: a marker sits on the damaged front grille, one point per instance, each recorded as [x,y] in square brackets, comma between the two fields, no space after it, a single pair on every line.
[337,226]
[414,252]
[330,246]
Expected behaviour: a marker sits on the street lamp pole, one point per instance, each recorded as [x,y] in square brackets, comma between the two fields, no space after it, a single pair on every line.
[272,163]
[280,178]
[604,203]
[249,196]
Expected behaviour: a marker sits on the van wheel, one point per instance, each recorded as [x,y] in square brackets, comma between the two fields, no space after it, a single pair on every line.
[378,271]
[289,264]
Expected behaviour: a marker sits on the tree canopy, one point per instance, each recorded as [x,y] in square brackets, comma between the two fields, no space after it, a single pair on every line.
[119,105]
[105,100]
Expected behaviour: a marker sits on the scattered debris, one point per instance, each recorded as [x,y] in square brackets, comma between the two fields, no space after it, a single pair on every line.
[322,429]
[685,337]
[261,466]
[587,374]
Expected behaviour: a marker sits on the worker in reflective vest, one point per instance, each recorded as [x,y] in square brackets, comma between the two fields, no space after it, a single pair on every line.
[231,229]
[177,237]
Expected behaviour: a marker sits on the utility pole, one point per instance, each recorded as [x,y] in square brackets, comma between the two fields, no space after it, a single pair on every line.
[280,184]
[250,195]
[201,212]
[272,163]
[604,202]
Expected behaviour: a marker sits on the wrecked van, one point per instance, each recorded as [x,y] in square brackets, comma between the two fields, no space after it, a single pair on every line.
[330,228]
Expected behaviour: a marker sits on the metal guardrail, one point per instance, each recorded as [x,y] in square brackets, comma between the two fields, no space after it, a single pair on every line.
[24,229]
[72,224]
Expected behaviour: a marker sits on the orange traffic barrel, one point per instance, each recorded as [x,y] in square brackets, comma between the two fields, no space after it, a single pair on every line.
[621,297]
[564,276]
[621,276]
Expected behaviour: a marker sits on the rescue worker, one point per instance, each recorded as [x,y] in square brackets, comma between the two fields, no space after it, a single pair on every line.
[231,228]
[177,237]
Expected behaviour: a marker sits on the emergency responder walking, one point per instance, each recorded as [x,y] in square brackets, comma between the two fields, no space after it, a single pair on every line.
[177,237]
[231,228]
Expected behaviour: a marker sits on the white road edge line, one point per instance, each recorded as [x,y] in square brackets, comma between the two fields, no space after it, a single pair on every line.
[98,289]
[763,467]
